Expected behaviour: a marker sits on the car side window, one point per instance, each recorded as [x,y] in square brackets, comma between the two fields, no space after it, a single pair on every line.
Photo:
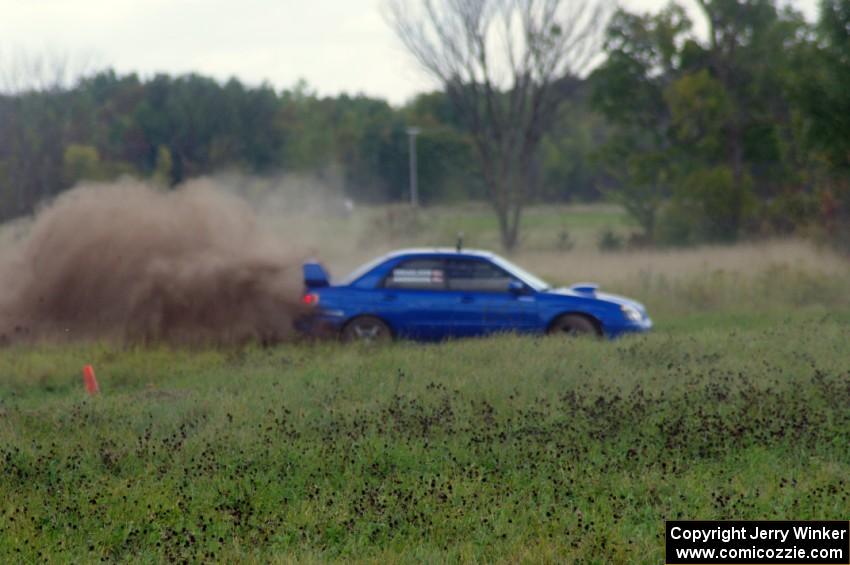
[417,274]
[477,276]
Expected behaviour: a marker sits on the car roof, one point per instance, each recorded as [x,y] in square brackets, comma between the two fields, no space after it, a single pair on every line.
[479,253]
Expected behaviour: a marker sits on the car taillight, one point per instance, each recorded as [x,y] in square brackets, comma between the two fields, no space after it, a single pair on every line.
[310,299]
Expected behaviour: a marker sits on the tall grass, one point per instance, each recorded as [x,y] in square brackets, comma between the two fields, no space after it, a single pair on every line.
[478,451]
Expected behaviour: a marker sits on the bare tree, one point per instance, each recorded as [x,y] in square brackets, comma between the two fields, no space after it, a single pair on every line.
[506,66]
[47,71]
[35,118]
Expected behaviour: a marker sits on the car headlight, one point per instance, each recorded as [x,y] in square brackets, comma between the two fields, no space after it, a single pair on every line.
[631,313]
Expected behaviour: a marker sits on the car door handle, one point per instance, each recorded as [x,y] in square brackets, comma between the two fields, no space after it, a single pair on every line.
[390,298]
[466,300]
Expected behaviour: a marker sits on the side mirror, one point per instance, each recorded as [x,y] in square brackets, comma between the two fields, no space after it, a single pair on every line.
[517,288]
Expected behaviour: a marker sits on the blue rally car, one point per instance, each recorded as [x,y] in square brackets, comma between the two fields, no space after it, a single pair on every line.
[435,294]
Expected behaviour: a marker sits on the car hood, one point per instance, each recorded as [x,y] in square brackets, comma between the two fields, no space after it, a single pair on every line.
[590,292]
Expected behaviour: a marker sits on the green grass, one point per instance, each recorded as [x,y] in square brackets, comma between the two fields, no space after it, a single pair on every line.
[505,449]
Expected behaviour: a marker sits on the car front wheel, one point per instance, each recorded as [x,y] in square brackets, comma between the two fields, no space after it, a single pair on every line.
[574,325]
[367,329]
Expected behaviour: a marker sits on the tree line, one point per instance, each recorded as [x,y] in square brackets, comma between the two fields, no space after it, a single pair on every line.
[171,129]
[743,131]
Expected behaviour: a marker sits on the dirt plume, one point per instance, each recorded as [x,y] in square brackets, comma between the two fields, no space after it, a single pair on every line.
[129,262]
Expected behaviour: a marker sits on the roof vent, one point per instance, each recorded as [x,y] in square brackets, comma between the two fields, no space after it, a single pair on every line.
[585,288]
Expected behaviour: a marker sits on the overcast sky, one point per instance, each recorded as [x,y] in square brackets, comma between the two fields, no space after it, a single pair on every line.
[335,45]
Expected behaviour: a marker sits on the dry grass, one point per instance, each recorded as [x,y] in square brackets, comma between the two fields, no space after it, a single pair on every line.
[745,260]
[344,243]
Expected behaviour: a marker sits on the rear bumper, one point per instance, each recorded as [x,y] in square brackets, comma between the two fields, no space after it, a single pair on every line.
[319,325]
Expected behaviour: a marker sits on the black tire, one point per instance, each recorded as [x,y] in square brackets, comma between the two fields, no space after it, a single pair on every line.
[367,329]
[574,325]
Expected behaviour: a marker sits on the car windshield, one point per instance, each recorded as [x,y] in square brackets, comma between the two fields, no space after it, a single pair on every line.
[533,281]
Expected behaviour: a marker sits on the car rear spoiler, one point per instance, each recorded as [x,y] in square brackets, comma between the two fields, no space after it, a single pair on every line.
[315,275]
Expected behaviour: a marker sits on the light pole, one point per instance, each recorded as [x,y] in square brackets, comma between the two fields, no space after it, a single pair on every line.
[412,132]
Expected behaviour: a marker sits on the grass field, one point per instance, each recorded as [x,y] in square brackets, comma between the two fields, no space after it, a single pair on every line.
[482,451]
[500,450]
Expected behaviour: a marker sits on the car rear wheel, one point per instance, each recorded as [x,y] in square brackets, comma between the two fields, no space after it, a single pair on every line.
[574,325]
[367,329]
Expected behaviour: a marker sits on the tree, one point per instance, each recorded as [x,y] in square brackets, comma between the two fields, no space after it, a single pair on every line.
[81,162]
[164,163]
[825,85]
[824,93]
[506,66]
[49,71]
[36,110]
[703,120]
[646,55]
[749,42]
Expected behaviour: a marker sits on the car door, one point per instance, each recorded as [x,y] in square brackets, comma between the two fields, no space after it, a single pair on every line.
[484,303]
[414,301]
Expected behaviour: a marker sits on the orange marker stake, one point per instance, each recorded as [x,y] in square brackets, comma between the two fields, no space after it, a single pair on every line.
[90,380]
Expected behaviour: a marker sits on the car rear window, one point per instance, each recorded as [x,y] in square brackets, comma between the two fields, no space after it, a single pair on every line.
[421,274]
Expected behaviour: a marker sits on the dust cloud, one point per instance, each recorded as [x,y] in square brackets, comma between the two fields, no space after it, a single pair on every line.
[126,261]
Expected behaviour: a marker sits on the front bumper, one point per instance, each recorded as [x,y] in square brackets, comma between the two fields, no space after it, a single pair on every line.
[628,327]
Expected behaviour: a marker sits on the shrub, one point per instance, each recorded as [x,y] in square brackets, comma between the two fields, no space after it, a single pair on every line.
[708,205]
[834,208]
[788,213]
[610,241]
[565,241]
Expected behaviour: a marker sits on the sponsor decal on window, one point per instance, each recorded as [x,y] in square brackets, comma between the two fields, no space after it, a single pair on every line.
[418,276]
